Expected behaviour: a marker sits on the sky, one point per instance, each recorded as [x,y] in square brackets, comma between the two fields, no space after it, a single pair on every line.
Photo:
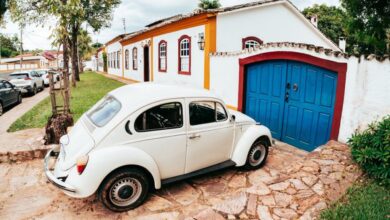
[137,14]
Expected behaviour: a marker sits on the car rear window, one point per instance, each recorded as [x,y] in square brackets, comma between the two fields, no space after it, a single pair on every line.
[105,111]
[19,76]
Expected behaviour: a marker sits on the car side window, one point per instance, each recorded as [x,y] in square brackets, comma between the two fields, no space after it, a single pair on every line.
[165,116]
[205,112]
[7,85]
[2,86]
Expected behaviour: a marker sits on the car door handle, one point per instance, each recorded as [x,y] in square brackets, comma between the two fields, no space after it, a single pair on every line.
[194,136]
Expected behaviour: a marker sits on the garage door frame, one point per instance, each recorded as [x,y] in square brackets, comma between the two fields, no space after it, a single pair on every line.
[339,68]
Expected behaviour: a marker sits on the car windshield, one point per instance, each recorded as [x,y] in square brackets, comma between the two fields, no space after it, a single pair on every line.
[41,72]
[105,111]
[19,76]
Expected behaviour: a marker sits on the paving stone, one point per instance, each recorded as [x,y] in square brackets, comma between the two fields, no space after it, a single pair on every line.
[285,213]
[264,213]
[338,168]
[318,188]
[208,214]
[267,200]
[307,203]
[324,162]
[213,188]
[298,184]
[183,193]
[280,186]
[259,189]
[233,205]
[252,204]
[304,193]
[310,180]
[243,216]
[237,181]
[157,203]
[326,170]
[336,175]
[326,180]
[160,216]
[259,176]
[290,190]
[282,199]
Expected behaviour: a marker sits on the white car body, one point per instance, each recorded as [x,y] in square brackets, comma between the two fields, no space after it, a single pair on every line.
[167,155]
[26,81]
[45,77]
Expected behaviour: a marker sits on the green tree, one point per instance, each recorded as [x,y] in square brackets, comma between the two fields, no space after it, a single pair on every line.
[9,46]
[97,45]
[209,4]
[331,20]
[368,24]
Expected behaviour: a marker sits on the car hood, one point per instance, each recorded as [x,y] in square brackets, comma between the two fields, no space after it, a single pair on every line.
[78,142]
[242,118]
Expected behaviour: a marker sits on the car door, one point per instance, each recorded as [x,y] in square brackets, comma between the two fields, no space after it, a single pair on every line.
[12,93]
[36,79]
[209,134]
[159,130]
[3,94]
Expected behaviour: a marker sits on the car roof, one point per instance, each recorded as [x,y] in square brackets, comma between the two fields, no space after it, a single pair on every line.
[141,94]
[24,72]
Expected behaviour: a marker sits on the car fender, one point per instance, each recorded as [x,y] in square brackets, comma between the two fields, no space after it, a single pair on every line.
[102,162]
[243,145]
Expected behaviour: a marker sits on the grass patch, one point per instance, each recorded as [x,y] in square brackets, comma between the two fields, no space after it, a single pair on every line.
[366,200]
[89,90]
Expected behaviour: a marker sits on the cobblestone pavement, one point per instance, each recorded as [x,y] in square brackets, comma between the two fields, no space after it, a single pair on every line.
[291,185]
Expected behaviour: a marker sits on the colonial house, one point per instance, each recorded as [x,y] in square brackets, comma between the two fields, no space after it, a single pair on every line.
[263,58]
[44,60]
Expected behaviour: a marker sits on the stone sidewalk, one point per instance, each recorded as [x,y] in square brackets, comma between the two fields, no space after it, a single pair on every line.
[292,185]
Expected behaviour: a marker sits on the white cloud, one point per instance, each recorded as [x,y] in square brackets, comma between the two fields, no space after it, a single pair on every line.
[137,13]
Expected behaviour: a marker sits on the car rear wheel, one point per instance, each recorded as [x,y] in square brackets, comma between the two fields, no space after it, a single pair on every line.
[124,189]
[1,108]
[19,98]
[257,155]
[35,90]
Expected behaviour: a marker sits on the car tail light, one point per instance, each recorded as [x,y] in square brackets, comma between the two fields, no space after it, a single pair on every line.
[27,78]
[81,163]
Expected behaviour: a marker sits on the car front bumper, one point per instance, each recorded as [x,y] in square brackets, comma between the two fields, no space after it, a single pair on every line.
[53,155]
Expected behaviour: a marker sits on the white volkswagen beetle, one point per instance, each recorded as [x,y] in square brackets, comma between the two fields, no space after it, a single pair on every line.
[145,135]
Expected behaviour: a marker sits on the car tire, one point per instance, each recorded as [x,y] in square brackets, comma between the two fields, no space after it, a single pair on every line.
[19,98]
[1,108]
[257,155]
[35,90]
[124,189]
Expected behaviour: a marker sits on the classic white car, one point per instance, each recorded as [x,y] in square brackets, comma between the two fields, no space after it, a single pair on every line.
[145,135]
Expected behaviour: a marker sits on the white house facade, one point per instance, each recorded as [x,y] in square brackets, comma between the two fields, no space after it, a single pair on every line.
[264,59]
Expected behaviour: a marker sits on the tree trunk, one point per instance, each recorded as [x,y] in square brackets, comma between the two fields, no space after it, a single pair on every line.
[75,63]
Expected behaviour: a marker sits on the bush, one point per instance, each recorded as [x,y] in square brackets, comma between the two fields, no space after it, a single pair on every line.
[371,150]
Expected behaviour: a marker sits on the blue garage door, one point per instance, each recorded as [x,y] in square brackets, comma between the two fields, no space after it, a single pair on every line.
[295,100]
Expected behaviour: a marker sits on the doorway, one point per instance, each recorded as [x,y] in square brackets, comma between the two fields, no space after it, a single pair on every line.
[146,64]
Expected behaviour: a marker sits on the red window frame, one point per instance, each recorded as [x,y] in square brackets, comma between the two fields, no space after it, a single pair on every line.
[253,38]
[189,55]
[159,56]
[135,58]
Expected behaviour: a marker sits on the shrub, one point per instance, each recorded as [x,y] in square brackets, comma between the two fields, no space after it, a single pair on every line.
[371,150]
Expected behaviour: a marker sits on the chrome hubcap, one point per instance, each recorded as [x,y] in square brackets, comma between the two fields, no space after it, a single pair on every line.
[256,155]
[125,191]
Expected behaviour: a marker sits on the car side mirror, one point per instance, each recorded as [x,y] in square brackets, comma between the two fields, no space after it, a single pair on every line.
[233,118]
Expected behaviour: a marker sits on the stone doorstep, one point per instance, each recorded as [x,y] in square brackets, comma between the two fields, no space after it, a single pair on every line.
[21,156]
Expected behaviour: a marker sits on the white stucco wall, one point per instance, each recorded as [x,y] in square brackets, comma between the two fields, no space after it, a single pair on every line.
[115,47]
[367,90]
[274,22]
[100,66]
[367,94]
[137,75]
[197,58]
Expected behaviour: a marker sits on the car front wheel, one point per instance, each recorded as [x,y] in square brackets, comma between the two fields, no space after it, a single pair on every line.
[1,109]
[19,98]
[257,155]
[124,189]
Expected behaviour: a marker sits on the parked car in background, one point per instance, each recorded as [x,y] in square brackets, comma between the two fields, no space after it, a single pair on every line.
[44,74]
[144,135]
[27,81]
[9,95]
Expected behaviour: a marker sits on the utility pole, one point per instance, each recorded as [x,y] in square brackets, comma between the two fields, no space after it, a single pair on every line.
[124,25]
[21,45]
